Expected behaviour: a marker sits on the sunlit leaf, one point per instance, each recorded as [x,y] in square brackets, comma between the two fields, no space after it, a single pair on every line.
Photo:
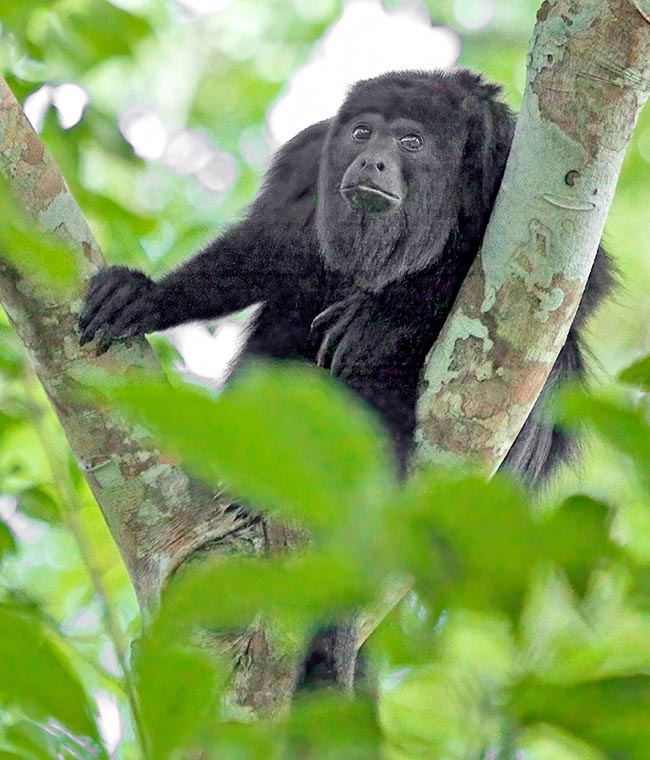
[7,541]
[551,743]
[281,436]
[330,726]
[638,374]
[42,258]
[35,675]
[610,714]
[432,709]
[177,690]
[229,593]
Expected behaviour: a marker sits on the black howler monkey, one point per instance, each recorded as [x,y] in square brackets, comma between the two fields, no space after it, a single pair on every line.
[371,220]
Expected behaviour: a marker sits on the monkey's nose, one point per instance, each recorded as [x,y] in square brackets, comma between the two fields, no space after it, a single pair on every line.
[379,165]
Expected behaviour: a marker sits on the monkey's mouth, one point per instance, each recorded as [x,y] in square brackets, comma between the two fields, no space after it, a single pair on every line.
[369,198]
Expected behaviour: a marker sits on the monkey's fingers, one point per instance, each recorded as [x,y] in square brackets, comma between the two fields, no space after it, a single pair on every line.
[337,362]
[111,291]
[136,319]
[103,315]
[102,285]
[333,337]
[99,293]
[334,312]
[323,351]
[328,316]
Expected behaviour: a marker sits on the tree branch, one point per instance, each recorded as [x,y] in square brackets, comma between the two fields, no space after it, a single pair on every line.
[156,513]
[588,78]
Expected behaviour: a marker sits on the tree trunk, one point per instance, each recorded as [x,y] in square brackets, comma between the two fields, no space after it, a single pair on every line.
[588,78]
[159,517]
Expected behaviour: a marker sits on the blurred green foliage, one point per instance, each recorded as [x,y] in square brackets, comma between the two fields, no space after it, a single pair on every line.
[529,626]
[44,259]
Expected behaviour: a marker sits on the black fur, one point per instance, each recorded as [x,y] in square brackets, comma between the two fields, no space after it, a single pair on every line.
[387,277]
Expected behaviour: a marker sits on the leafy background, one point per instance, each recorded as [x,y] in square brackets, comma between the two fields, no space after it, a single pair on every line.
[529,629]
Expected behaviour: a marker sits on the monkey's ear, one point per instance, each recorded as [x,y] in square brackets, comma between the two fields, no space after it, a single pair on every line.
[489,134]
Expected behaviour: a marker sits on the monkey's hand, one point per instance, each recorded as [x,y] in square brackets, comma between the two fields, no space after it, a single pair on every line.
[349,329]
[120,303]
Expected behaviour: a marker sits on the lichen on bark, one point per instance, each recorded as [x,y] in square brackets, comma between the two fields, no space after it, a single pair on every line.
[588,77]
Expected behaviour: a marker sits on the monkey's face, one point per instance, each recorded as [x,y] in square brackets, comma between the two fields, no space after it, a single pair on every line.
[383,186]
[373,182]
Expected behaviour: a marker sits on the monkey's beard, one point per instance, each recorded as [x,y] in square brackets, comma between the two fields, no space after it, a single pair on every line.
[364,245]
[375,249]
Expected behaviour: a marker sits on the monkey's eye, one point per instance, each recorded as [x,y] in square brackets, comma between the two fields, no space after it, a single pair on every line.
[361,133]
[412,142]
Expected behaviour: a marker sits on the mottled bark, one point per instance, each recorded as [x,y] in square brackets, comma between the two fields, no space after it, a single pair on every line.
[158,515]
[588,78]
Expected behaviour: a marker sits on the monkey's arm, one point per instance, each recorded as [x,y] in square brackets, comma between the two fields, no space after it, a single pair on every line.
[272,252]
[233,272]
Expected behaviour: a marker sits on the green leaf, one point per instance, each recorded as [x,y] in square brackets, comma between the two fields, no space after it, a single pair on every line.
[30,741]
[433,708]
[35,675]
[283,436]
[468,542]
[177,691]
[576,536]
[252,741]
[298,590]
[40,503]
[43,259]
[36,742]
[322,726]
[611,714]
[476,544]
[351,732]
[551,743]
[101,31]
[626,429]
[7,541]
[12,357]
[638,374]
